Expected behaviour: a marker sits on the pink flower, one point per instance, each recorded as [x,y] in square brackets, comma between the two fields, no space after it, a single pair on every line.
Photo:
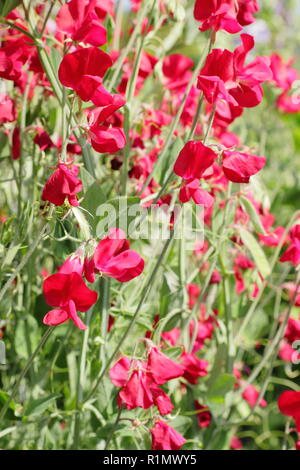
[138,388]
[292,253]
[191,190]
[113,258]
[164,437]
[236,443]
[7,109]
[161,368]
[251,394]
[194,367]
[62,184]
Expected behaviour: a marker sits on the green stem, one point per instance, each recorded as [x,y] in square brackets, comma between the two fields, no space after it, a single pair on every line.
[81,382]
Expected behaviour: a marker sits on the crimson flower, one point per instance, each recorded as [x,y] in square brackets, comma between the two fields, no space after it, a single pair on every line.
[191,190]
[194,367]
[164,437]
[62,184]
[83,70]
[113,258]
[106,139]
[217,15]
[68,293]
[226,77]
[238,167]
[292,253]
[161,368]
[289,405]
[138,388]
[80,21]
[16,143]
[193,160]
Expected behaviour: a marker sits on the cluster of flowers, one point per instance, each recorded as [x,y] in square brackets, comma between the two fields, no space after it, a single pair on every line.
[140,381]
[67,291]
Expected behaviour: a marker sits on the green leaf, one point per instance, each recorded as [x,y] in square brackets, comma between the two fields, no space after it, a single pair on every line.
[256,252]
[40,405]
[11,408]
[8,5]
[221,386]
[254,217]
[87,179]
[10,254]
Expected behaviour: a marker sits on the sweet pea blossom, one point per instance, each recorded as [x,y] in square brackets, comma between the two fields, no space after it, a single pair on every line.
[226,77]
[113,258]
[289,405]
[164,437]
[78,19]
[62,184]
[83,71]
[68,293]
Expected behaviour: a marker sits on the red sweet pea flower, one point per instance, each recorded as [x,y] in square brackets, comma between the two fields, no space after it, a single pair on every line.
[194,367]
[79,20]
[246,10]
[13,55]
[193,160]
[104,7]
[83,70]
[68,293]
[136,391]
[191,190]
[164,437]
[292,254]
[177,70]
[42,139]
[62,184]
[238,167]
[292,332]
[107,139]
[226,77]
[114,258]
[217,15]
[138,388]
[289,405]
[161,368]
